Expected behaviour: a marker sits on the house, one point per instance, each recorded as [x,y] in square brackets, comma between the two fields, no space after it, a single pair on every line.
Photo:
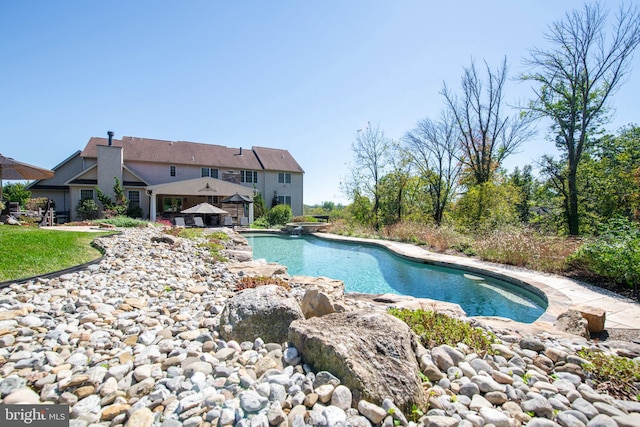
[161,178]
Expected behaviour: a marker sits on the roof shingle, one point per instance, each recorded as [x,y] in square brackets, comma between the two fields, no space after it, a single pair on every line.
[193,153]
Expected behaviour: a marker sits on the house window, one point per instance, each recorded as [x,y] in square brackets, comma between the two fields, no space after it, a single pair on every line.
[134,198]
[172,170]
[284,200]
[249,176]
[86,194]
[172,204]
[284,178]
[213,173]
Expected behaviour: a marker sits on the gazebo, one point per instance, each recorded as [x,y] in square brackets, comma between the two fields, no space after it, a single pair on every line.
[199,187]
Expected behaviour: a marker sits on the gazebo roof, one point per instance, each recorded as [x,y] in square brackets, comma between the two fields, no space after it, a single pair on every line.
[205,186]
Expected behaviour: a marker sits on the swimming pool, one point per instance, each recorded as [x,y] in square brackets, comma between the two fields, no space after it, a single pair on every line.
[374,270]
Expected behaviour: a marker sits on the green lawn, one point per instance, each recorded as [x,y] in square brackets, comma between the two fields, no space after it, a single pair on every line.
[29,251]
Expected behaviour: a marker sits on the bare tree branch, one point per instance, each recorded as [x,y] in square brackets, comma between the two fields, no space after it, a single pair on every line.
[486,135]
[574,79]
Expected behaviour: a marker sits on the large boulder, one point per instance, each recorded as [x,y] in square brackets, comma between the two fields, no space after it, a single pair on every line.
[264,311]
[371,352]
[595,316]
[318,296]
[572,322]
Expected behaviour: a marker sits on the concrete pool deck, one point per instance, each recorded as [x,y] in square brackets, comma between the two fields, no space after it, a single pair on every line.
[562,293]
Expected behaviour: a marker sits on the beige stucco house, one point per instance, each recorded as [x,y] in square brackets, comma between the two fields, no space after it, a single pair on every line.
[164,177]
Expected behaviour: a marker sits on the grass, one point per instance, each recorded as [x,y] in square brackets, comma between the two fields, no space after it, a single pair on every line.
[29,251]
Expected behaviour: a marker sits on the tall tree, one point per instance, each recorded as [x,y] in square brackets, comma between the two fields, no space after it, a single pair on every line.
[609,176]
[434,149]
[372,151]
[393,186]
[574,79]
[487,134]
[524,182]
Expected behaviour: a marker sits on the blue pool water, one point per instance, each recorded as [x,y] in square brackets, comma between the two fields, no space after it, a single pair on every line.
[374,270]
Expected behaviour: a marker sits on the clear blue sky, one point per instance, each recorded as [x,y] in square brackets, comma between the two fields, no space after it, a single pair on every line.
[298,75]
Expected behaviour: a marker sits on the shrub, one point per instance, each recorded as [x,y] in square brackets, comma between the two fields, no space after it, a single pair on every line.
[280,214]
[214,246]
[36,203]
[260,223]
[123,221]
[436,329]
[134,211]
[163,223]
[614,254]
[307,218]
[525,248]
[617,376]
[439,238]
[87,209]
[116,207]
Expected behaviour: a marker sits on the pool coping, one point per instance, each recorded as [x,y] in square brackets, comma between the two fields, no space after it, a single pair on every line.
[560,292]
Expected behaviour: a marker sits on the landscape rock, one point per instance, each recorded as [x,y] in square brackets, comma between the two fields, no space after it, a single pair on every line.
[572,322]
[371,353]
[595,317]
[135,339]
[264,311]
[318,296]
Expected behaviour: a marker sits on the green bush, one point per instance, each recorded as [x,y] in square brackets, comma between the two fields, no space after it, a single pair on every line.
[486,207]
[123,221]
[134,212]
[614,254]
[280,214]
[436,329]
[616,375]
[307,218]
[87,209]
[260,223]
[16,192]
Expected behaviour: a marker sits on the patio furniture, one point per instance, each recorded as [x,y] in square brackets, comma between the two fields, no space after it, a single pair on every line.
[228,221]
[197,221]
[179,222]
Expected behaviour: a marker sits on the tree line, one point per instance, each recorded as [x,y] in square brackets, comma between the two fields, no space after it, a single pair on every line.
[449,169]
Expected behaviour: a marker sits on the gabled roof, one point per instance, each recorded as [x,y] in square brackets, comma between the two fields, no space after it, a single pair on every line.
[277,160]
[193,153]
[36,184]
[88,176]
